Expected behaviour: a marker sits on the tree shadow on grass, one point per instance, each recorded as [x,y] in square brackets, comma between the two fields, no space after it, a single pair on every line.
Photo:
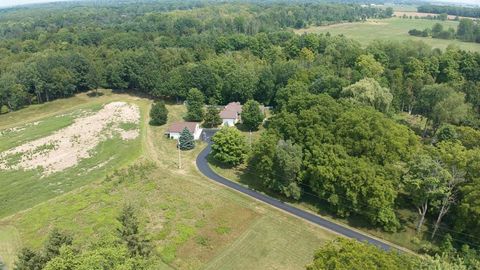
[244,128]
[94,94]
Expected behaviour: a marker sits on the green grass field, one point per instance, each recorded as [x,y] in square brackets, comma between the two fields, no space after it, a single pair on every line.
[394,29]
[22,189]
[194,222]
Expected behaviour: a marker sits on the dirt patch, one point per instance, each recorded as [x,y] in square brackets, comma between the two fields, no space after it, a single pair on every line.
[66,147]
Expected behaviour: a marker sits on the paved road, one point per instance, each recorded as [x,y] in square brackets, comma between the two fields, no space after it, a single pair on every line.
[205,169]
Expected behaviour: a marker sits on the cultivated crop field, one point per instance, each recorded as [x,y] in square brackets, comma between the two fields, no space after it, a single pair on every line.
[394,29]
[193,222]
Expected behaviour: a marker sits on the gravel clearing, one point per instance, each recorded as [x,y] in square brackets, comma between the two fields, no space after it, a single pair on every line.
[68,146]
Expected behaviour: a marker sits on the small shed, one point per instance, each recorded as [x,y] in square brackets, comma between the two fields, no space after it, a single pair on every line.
[175,129]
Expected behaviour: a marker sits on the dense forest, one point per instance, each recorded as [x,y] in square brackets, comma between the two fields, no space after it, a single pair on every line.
[75,48]
[342,128]
[450,10]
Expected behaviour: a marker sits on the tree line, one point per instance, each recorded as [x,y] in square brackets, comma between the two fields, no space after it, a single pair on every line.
[451,10]
[165,53]
[467,30]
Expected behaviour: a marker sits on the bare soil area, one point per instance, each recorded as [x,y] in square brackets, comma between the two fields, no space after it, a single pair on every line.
[66,147]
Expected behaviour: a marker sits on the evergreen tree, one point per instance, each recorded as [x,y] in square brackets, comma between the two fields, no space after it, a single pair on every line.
[29,260]
[195,103]
[186,140]
[158,114]
[55,241]
[33,260]
[252,116]
[129,232]
[212,118]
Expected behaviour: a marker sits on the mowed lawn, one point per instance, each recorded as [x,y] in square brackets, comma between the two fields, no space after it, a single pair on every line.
[193,222]
[393,29]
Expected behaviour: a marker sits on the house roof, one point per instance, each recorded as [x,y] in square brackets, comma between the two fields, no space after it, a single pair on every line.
[231,111]
[178,127]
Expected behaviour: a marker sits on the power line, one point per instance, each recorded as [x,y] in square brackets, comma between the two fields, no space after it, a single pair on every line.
[249,170]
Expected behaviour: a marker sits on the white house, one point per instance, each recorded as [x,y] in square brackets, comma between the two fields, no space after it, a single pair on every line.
[231,114]
[176,129]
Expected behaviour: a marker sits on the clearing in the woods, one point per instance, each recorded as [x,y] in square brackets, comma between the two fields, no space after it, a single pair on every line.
[194,222]
[393,29]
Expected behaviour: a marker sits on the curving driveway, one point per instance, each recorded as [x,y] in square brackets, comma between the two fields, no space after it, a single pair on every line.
[205,169]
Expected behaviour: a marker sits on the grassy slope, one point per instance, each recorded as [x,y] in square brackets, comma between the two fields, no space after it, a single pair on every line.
[195,223]
[24,189]
[394,29]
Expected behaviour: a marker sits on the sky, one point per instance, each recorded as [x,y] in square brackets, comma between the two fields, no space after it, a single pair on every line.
[7,3]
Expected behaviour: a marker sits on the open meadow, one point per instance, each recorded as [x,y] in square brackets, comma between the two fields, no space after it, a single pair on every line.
[393,29]
[193,222]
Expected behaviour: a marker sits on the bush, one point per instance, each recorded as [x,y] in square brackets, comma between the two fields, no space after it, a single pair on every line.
[4,109]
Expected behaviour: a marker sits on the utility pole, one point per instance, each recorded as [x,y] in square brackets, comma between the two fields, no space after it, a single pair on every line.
[250,139]
[179,155]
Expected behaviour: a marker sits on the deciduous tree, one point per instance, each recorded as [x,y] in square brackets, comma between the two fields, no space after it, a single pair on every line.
[369,92]
[251,115]
[229,146]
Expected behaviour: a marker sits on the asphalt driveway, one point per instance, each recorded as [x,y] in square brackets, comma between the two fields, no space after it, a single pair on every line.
[205,169]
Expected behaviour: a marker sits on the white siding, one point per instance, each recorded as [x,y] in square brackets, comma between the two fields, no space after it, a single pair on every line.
[174,136]
[198,131]
[196,134]
[229,122]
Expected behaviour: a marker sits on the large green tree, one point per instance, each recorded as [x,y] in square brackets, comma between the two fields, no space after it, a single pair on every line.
[229,146]
[368,67]
[278,163]
[251,115]
[158,114]
[212,117]
[348,254]
[369,92]
[195,104]
[424,182]
[440,103]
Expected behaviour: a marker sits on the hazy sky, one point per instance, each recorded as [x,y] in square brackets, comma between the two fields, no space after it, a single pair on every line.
[5,3]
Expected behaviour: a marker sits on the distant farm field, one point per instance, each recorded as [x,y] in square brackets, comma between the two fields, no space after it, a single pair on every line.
[194,223]
[394,29]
